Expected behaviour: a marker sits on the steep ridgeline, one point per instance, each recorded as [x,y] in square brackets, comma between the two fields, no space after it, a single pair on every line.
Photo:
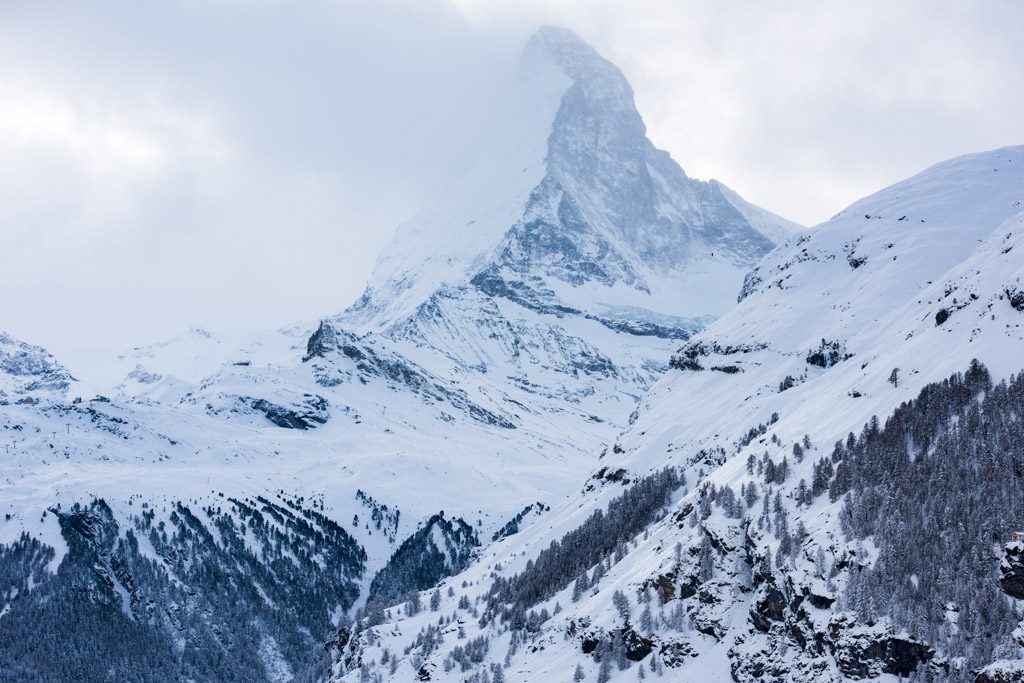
[226,504]
[848,448]
[509,329]
[532,305]
[28,372]
[575,248]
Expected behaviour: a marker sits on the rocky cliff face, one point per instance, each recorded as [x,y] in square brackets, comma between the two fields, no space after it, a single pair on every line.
[504,340]
[599,222]
[1011,571]
[847,464]
[28,372]
[1011,580]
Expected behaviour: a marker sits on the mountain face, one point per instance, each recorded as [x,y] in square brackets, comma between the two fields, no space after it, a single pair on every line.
[27,371]
[221,510]
[585,422]
[592,220]
[845,447]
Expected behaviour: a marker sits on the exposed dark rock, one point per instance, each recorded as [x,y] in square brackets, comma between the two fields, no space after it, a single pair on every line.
[820,601]
[709,629]
[685,364]
[769,607]
[617,475]
[942,316]
[1011,571]
[1016,298]
[290,418]
[636,646]
[588,645]
[687,357]
[667,589]
[708,595]
[675,653]
[828,354]
[688,587]
[864,652]
[1003,671]
[374,362]
[324,340]
[665,585]
[641,328]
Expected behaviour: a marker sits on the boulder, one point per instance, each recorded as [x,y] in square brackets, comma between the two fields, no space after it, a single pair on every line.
[636,646]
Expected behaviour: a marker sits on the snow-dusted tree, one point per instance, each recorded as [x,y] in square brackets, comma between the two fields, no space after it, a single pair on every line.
[621,603]
[646,620]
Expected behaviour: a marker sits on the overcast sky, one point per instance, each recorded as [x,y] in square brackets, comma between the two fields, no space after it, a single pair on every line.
[239,163]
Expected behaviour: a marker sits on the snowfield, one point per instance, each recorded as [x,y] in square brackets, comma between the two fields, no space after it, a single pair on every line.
[576,327]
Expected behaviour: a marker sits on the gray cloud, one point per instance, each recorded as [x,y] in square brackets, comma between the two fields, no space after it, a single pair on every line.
[239,163]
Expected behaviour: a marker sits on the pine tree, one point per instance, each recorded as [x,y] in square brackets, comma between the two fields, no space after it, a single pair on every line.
[646,620]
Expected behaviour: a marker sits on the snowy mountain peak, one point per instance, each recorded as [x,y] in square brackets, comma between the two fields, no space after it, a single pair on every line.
[784,556]
[27,370]
[582,64]
[575,209]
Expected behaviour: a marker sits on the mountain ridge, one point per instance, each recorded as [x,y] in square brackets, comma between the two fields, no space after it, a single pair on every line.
[751,571]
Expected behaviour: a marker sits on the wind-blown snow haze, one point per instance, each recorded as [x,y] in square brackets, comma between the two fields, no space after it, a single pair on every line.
[239,165]
[344,343]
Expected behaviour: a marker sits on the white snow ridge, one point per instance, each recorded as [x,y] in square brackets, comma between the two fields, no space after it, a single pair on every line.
[591,419]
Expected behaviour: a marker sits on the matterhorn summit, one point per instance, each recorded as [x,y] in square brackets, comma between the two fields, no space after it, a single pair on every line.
[577,212]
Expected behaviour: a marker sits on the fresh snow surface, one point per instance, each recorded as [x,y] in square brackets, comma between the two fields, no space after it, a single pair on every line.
[514,340]
[873,279]
[505,338]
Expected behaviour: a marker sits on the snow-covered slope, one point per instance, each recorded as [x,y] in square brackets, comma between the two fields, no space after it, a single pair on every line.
[754,572]
[576,209]
[504,340]
[28,371]
[519,318]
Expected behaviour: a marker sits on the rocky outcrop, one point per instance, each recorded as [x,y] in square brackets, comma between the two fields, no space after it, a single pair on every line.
[332,350]
[322,342]
[869,650]
[1011,571]
[1002,671]
[769,606]
[635,646]
[28,369]
[312,412]
[1016,298]
[1011,580]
